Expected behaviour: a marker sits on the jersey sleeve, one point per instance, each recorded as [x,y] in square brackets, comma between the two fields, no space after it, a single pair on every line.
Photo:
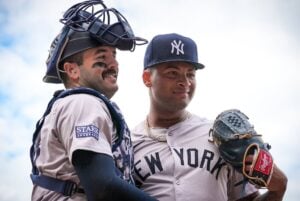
[84,123]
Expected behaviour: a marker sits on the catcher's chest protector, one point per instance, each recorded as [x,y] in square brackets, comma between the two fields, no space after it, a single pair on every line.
[122,146]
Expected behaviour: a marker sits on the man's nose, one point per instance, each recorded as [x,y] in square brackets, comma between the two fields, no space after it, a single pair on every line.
[184,81]
[113,64]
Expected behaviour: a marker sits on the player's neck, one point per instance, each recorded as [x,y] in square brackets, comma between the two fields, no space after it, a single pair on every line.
[165,120]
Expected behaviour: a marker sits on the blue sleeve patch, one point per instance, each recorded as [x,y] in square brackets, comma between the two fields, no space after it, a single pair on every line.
[87,131]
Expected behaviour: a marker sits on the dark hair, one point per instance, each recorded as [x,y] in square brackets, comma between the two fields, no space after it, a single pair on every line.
[75,58]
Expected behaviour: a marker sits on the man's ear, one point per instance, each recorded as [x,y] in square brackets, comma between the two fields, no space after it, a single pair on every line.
[147,78]
[72,70]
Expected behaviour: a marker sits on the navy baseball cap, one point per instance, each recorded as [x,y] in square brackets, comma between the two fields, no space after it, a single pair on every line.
[171,47]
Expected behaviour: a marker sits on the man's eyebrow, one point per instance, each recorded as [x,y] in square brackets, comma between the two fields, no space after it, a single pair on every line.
[172,66]
[100,50]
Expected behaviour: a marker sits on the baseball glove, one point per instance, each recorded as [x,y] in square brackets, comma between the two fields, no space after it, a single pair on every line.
[237,141]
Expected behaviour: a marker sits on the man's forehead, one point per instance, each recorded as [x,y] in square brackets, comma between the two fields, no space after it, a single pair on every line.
[103,49]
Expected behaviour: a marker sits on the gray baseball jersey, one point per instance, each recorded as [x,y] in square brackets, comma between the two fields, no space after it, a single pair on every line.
[76,122]
[186,167]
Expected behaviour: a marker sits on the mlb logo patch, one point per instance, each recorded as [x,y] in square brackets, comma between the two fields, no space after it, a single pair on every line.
[87,131]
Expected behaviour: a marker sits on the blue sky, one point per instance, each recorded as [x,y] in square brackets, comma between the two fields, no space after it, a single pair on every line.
[250,49]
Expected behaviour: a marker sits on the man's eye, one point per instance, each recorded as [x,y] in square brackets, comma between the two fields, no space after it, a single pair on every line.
[172,73]
[100,64]
[191,75]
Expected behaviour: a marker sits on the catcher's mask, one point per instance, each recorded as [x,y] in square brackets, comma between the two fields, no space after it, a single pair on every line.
[88,25]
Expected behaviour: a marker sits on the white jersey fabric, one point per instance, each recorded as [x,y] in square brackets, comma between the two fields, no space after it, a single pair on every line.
[187,167]
[76,122]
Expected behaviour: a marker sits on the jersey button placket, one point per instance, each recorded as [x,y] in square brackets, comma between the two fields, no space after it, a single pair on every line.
[168,136]
[177,181]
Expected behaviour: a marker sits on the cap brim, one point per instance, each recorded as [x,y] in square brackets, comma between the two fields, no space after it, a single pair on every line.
[196,65]
[51,79]
[199,66]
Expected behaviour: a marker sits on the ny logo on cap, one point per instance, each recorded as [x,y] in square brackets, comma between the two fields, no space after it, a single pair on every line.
[178,46]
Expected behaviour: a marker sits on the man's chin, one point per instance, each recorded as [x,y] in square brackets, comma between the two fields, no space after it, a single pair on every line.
[182,104]
[111,92]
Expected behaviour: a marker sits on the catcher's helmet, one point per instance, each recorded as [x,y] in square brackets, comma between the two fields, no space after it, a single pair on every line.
[85,27]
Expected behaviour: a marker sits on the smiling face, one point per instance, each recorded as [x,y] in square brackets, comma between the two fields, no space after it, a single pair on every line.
[99,70]
[172,85]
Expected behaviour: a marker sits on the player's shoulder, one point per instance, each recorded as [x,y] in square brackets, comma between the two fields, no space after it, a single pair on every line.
[197,121]
[82,97]
[77,101]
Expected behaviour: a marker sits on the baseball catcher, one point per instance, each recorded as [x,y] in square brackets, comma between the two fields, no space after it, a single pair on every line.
[240,146]
[81,147]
